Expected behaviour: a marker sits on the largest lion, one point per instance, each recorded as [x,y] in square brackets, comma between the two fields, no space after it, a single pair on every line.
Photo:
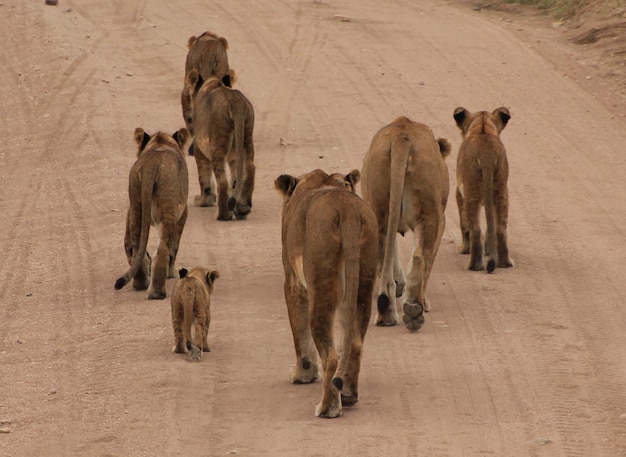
[405,180]
[223,124]
[158,188]
[330,267]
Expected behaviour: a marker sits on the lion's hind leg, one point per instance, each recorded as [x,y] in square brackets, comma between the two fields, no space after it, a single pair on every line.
[504,259]
[175,243]
[330,404]
[350,389]
[141,281]
[177,324]
[206,178]
[322,322]
[391,287]
[223,213]
[472,214]
[242,204]
[160,266]
[306,369]
[465,232]
[425,245]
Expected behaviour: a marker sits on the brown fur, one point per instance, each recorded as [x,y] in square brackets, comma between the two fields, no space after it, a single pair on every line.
[191,311]
[157,189]
[223,120]
[482,175]
[327,235]
[206,54]
[405,180]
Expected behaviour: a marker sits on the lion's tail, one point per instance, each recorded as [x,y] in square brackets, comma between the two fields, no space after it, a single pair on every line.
[188,299]
[400,151]
[240,126]
[490,215]
[351,228]
[239,138]
[147,183]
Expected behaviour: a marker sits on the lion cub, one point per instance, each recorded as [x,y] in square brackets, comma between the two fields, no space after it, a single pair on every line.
[191,310]
[482,175]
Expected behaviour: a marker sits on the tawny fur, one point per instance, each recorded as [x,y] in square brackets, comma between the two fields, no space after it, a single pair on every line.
[191,311]
[482,175]
[206,54]
[405,180]
[330,267]
[223,122]
[158,188]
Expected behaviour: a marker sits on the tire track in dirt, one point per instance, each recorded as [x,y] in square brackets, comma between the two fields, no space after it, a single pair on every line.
[523,362]
[69,263]
[292,54]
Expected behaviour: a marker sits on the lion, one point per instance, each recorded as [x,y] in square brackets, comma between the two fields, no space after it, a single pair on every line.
[206,54]
[405,180]
[327,235]
[158,190]
[223,124]
[482,175]
[191,311]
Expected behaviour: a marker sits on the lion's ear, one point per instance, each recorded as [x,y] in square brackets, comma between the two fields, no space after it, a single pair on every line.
[182,273]
[354,177]
[192,78]
[191,41]
[460,116]
[501,117]
[138,135]
[181,137]
[444,147]
[141,138]
[211,276]
[285,184]
[229,78]
[224,42]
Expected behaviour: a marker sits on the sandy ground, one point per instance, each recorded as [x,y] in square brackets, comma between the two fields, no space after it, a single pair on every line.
[528,361]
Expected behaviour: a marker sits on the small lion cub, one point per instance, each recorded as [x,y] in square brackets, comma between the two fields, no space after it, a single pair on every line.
[191,311]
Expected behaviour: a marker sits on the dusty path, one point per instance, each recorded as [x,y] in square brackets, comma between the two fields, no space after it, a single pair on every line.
[526,362]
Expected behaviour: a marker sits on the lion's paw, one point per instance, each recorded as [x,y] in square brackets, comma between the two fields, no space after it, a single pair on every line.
[300,375]
[329,412]
[204,201]
[195,353]
[413,316]
[155,294]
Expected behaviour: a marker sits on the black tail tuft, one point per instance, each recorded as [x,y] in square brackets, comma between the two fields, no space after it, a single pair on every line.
[338,383]
[491,265]
[121,282]
[383,303]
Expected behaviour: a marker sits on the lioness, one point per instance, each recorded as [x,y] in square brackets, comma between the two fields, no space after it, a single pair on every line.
[482,172]
[158,189]
[327,238]
[223,122]
[191,311]
[405,180]
[206,54]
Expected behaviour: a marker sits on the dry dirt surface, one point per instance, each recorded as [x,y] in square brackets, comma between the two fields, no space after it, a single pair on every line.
[529,361]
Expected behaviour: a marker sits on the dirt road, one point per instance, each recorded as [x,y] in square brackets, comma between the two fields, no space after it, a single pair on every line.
[528,361]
